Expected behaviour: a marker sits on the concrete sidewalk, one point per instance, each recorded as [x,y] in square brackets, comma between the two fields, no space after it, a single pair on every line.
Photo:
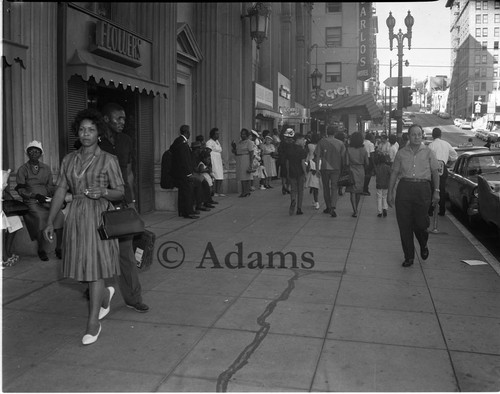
[354,321]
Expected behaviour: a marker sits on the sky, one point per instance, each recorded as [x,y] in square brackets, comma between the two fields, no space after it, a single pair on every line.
[430,51]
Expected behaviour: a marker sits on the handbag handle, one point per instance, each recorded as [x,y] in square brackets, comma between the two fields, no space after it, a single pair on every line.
[119,204]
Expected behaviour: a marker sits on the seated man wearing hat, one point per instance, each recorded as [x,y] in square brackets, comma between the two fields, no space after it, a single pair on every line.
[36,186]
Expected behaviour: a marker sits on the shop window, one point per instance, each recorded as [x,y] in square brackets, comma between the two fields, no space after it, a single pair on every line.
[333,7]
[333,36]
[478,19]
[333,72]
[485,19]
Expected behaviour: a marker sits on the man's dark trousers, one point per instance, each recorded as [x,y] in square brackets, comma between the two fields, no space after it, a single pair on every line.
[412,205]
[329,178]
[130,287]
[184,196]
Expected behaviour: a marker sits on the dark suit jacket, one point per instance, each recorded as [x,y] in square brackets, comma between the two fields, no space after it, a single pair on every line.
[181,158]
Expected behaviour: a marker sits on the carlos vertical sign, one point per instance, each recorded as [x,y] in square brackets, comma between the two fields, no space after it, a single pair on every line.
[365,41]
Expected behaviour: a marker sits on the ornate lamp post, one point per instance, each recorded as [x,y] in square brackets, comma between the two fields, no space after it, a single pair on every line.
[316,74]
[316,81]
[259,21]
[400,36]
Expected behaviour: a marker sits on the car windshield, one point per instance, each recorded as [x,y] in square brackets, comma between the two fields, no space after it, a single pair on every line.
[483,164]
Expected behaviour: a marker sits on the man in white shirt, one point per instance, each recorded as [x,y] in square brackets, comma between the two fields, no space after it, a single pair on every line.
[444,153]
[394,147]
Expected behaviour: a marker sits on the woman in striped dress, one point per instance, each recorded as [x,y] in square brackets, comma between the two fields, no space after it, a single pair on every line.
[94,178]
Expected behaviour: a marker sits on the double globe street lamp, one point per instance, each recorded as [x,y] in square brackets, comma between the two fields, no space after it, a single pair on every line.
[400,36]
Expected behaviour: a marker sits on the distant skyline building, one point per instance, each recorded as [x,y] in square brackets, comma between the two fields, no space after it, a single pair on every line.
[475,38]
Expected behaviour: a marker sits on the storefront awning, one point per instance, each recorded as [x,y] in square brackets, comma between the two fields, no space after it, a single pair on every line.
[361,104]
[86,65]
[14,52]
[266,111]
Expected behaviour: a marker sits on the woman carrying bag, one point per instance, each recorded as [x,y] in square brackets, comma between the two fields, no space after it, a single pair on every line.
[94,178]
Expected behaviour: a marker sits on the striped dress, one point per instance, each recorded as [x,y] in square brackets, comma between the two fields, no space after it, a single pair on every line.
[85,256]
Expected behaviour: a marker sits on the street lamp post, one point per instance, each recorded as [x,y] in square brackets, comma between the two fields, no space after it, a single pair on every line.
[316,81]
[400,36]
[390,89]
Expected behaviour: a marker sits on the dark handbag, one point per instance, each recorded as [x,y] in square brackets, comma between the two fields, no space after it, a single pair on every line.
[14,207]
[346,178]
[120,222]
[143,245]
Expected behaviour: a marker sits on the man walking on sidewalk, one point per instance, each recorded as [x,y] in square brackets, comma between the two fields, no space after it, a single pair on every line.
[444,152]
[330,154]
[119,144]
[416,167]
[295,157]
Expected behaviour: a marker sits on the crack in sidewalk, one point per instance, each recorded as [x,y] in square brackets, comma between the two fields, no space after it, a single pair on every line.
[242,359]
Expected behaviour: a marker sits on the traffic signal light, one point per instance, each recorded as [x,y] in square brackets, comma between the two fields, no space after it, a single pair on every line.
[407,97]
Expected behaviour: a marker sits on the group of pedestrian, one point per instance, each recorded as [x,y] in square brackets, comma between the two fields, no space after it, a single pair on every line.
[192,171]
[255,155]
[100,173]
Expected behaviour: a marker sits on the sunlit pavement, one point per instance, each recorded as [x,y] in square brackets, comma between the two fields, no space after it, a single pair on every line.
[349,317]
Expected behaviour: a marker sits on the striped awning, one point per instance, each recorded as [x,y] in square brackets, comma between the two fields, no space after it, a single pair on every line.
[86,65]
[361,104]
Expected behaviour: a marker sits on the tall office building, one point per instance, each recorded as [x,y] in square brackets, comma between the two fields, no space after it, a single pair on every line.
[475,38]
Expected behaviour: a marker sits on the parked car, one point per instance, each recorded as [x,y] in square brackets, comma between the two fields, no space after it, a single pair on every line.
[444,115]
[482,134]
[489,200]
[462,181]
[458,122]
[466,125]
[468,148]
[493,136]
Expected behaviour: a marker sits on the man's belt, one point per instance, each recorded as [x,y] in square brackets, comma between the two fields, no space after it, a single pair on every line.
[415,180]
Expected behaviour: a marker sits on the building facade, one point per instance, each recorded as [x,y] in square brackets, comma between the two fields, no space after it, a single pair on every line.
[344,51]
[166,63]
[475,38]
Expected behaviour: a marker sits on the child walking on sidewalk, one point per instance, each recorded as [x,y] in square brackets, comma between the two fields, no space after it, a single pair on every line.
[382,163]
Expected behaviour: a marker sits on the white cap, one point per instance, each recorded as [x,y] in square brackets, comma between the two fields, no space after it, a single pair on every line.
[289,133]
[35,144]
